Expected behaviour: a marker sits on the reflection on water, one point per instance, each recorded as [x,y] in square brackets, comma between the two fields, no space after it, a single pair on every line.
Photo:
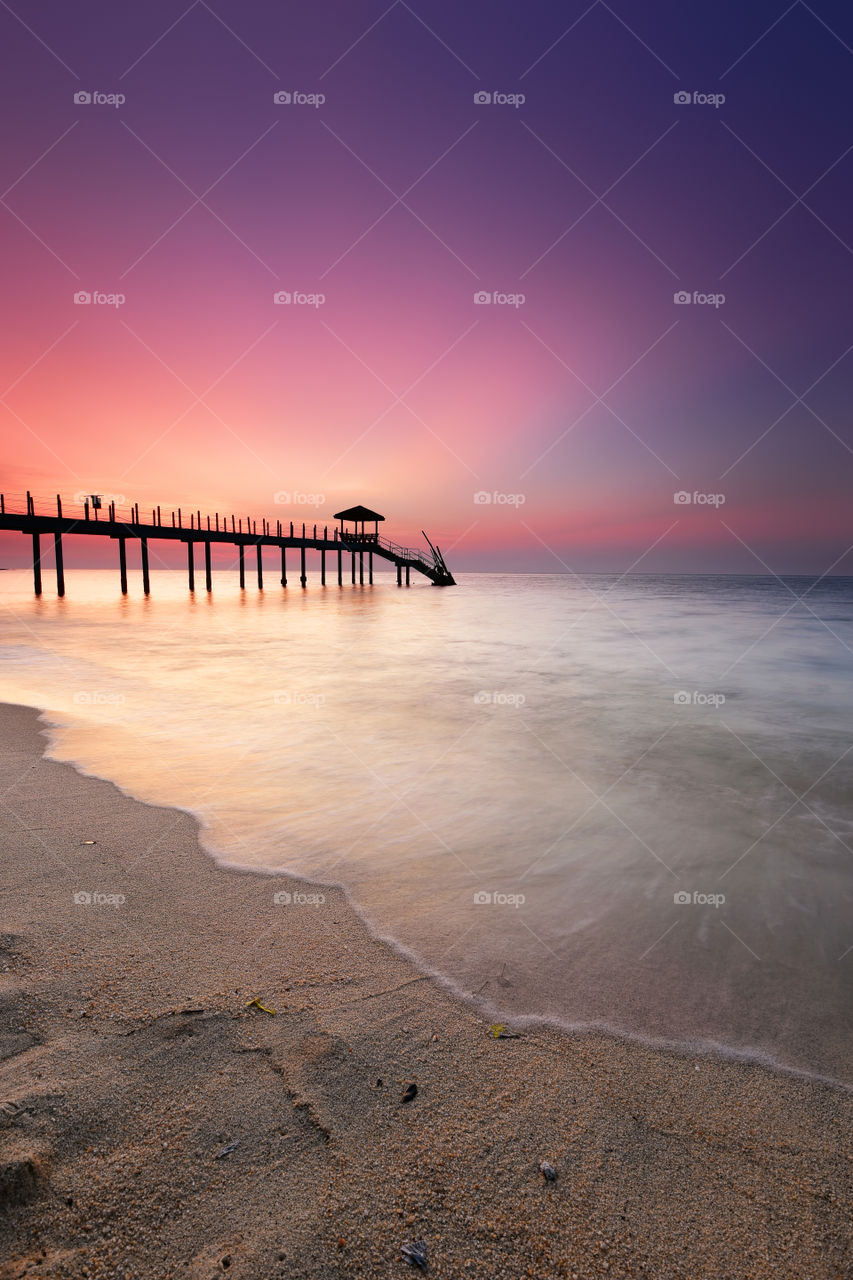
[624,803]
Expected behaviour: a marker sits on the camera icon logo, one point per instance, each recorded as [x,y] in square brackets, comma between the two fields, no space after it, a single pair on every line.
[681,898]
[681,99]
[482,298]
[282,898]
[682,698]
[82,98]
[481,98]
[282,298]
[682,298]
[682,498]
[482,499]
[481,898]
[282,98]
[483,698]
[82,298]
[83,899]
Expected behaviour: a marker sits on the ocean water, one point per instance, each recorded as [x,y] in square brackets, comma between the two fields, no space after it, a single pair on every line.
[621,803]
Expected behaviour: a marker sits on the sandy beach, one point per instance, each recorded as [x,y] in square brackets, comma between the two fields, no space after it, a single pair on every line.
[155,1123]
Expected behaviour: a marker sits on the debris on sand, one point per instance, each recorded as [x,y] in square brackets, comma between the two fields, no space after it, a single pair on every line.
[257,1005]
[415,1254]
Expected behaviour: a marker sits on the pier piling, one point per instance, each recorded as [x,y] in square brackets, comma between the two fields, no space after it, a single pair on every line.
[283,568]
[60,570]
[260,569]
[122,564]
[36,559]
[322,568]
[242,568]
[146,585]
[190,565]
[302,577]
[208,577]
[361,568]
[340,569]
[370,567]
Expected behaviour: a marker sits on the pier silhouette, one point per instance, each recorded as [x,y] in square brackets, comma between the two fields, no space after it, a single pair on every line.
[349,538]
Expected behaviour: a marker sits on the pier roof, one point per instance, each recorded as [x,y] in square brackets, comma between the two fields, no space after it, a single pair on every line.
[358,513]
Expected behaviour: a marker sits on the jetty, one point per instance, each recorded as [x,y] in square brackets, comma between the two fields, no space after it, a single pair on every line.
[87,516]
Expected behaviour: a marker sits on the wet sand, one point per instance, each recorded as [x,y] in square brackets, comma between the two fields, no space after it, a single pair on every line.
[130,1060]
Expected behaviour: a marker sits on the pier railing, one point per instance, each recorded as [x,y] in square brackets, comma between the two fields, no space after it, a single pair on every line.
[396,549]
[117,509]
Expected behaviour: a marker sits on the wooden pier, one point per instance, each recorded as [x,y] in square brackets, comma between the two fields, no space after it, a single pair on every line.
[357,543]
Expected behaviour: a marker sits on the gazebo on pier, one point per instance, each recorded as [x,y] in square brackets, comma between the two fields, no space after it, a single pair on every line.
[359,516]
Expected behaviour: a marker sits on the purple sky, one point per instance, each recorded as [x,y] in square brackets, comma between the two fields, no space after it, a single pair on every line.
[381,212]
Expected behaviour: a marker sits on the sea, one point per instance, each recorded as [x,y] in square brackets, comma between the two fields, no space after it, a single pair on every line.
[605,803]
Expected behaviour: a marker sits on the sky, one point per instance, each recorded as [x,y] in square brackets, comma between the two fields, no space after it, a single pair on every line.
[568,285]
